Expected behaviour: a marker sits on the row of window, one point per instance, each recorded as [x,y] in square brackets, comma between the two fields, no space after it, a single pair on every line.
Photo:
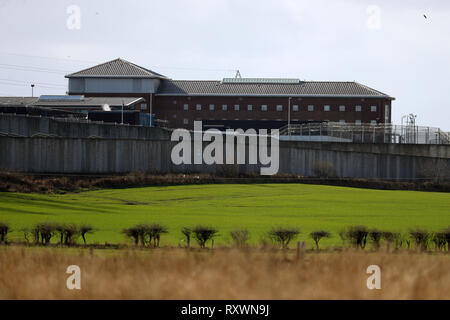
[279,107]
[373,122]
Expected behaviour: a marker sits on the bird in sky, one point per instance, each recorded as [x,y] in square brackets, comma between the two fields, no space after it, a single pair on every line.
[425,16]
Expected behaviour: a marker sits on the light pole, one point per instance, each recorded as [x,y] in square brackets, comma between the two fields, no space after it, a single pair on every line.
[122,114]
[32,90]
[289,117]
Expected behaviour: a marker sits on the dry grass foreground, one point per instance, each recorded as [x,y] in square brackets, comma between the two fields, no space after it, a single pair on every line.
[30,273]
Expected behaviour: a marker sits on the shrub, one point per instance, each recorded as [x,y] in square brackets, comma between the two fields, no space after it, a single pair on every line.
[376,236]
[324,169]
[283,235]
[44,232]
[420,237]
[186,231]
[133,233]
[358,236]
[318,235]
[240,237]
[391,237]
[447,237]
[70,234]
[439,240]
[25,232]
[145,234]
[85,229]
[154,231]
[4,229]
[67,234]
[203,234]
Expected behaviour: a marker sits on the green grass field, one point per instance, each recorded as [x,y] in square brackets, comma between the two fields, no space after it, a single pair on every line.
[227,207]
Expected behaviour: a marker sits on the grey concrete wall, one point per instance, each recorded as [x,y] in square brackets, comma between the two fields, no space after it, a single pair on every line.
[105,156]
[30,125]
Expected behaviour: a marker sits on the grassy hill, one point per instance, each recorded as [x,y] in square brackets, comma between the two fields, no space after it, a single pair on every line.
[227,207]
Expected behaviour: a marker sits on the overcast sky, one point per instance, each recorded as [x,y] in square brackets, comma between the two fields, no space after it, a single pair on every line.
[387,45]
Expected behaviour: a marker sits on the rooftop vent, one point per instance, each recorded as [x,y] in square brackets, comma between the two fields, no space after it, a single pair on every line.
[61,98]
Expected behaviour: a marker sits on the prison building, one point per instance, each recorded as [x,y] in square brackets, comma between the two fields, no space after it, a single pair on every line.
[181,102]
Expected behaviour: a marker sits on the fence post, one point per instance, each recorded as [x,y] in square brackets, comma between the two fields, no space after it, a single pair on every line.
[301,248]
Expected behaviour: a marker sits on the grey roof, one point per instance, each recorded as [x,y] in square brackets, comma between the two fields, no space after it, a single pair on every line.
[17,100]
[302,88]
[117,68]
[91,102]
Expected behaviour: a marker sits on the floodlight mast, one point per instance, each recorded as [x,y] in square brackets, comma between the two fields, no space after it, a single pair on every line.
[122,114]
[289,116]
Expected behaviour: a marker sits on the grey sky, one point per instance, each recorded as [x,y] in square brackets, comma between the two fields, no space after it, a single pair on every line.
[406,57]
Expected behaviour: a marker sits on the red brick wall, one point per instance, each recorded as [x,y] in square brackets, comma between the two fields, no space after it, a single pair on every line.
[171,108]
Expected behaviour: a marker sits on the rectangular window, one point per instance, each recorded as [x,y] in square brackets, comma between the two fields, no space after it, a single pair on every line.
[249,107]
[326,108]
[185,121]
[373,122]
[143,106]
[310,107]
[279,107]
[341,121]
[186,106]
[373,108]
[224,107]
[295,107]
[386,113]
[199,107]
[211,107]
[264,107]
[342,108]
[236,107]
[358,122]
[358,108]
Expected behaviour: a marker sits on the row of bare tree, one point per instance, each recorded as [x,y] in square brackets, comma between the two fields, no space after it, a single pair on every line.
[149,235]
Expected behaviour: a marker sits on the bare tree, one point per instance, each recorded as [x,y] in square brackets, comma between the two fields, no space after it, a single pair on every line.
[203,234]
[84,230]
[357,236]
[421,238]
[318,235]
[283,236]
[187,231]
[376,236]
[4,229]
[154,232]
[240,237]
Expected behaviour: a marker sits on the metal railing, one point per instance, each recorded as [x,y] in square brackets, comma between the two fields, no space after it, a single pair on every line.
[364,133]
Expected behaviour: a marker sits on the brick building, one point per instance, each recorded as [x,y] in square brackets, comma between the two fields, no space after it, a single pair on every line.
[180,102]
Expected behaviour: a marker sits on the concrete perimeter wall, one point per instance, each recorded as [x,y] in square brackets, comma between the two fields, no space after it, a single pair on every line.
[109,156]
[28,126]
[123,149]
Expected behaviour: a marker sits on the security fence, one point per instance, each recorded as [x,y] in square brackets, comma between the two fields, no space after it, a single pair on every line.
[364,133]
